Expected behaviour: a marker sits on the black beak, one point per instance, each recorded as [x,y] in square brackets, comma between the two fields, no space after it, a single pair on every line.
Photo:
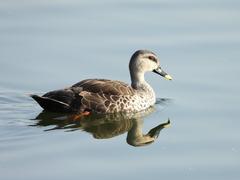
[162,73]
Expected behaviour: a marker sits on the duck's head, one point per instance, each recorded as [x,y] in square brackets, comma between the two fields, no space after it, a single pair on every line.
[144,61]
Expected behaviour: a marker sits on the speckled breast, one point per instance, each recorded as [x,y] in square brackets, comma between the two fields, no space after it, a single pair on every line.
[138,102]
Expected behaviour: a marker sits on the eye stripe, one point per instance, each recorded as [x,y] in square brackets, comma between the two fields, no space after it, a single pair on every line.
[152,58]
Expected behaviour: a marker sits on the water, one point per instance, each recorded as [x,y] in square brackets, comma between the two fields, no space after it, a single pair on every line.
[48,45]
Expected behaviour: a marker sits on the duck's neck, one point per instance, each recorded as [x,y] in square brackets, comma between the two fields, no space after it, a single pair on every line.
[138,80]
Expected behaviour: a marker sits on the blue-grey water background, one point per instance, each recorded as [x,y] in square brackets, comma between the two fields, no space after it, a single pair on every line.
[47,45]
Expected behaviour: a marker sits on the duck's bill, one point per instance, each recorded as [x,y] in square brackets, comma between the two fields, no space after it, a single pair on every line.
[162,73]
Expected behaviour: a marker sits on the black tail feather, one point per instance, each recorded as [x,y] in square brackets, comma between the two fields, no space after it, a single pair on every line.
[53,105]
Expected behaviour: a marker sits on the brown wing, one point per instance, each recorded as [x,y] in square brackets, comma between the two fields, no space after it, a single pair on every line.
[101,95]
[100,102]
[104,86]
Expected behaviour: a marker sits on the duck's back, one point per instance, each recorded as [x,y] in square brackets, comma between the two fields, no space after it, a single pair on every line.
[105,86]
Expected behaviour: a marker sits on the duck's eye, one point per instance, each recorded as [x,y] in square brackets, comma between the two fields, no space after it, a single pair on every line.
[152,58]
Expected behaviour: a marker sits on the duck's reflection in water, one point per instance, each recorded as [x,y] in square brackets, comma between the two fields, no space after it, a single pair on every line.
[104,126]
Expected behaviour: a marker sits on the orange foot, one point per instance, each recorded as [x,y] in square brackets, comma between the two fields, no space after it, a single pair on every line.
[79,116]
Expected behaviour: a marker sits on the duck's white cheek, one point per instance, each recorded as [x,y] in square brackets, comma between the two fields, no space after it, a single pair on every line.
[151,66]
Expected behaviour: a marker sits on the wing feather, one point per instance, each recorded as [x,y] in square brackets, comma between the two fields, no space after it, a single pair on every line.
[105,86]
[102,95]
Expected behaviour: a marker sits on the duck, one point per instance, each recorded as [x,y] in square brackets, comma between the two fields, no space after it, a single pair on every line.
[104,96]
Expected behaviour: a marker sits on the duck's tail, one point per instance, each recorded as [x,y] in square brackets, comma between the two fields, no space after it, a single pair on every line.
[51,104]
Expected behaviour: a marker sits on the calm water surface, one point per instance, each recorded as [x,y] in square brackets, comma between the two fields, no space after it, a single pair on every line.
[48,45]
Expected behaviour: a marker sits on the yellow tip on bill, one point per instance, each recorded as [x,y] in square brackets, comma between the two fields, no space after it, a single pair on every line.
[168,77]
